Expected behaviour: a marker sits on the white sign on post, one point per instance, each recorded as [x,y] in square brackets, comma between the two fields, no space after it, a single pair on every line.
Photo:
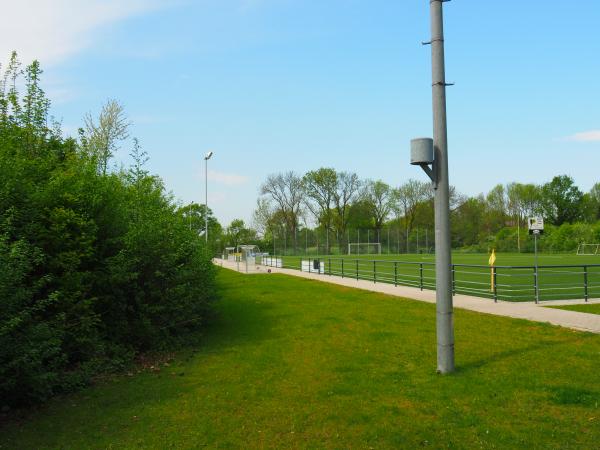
[536,225]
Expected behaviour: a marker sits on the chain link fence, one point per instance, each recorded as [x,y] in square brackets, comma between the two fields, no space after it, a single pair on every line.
[391,240]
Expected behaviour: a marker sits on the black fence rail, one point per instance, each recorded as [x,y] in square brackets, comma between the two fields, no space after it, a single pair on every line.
[509,283]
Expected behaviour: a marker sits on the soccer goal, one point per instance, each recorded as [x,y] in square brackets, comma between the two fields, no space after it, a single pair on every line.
[373,248]
[588,249]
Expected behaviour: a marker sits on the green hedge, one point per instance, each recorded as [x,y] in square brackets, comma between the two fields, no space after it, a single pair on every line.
[94,267]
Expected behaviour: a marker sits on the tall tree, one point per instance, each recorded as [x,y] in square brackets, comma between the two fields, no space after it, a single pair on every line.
[237,233]
[36,105]
[378,196]
[360,215]
[345,194]
[406,199]
[101,138]
[594,202]
[10,108]
[523,200]
[195,217]
[467,222]
[496,205]
[320,188]
[262,216]
[562,200]
[531,195]
[286,190]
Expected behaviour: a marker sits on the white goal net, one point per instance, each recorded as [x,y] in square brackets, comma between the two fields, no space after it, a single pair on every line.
[373,248]
[588,249]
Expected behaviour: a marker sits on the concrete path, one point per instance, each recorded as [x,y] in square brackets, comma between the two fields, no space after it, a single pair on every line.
[519,310]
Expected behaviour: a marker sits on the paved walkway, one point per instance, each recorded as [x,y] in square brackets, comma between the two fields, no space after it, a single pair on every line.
[519,310]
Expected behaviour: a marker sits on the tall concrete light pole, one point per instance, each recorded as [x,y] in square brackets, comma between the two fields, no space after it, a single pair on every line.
[206,158]
[434,152]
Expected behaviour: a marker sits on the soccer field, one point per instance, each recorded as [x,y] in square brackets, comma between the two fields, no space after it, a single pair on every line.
[559,276]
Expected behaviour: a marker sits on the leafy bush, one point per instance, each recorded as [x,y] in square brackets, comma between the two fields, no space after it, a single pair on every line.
[94,266]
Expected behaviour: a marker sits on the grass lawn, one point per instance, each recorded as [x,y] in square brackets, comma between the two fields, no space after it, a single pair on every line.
[294,363]
[512,284]
[593,308]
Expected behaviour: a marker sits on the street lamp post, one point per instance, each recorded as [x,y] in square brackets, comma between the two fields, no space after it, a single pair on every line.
[434,152]
[206,158]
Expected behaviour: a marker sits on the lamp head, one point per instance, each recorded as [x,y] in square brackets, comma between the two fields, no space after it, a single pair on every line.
[208,155]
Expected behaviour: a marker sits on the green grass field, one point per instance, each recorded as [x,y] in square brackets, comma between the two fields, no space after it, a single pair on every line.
[512,284]
[294,363]
[590,309]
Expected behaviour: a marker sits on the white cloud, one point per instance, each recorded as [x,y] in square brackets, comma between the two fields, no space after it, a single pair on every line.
[586,136]
[229,179]
[52,30]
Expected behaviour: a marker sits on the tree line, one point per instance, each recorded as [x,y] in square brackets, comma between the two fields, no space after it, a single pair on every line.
[97,262]
[338,206]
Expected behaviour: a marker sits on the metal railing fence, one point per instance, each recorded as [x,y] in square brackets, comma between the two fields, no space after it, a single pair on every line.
[509,283]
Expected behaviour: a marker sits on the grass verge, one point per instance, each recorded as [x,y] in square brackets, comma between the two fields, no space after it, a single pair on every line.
[591,308]
[294,363]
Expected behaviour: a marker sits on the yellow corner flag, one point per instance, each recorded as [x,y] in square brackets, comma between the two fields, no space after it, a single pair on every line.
[492,257]
[491,262]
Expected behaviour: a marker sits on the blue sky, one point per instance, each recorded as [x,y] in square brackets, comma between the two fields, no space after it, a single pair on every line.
[277,85]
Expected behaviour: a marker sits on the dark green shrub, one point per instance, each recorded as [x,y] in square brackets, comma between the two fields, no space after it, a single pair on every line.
[94,266]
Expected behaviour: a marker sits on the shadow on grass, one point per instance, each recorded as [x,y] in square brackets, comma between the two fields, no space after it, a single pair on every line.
[503,355]
[241,318]
[569,395]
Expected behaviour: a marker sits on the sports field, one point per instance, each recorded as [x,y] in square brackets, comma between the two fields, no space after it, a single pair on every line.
[559,276]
